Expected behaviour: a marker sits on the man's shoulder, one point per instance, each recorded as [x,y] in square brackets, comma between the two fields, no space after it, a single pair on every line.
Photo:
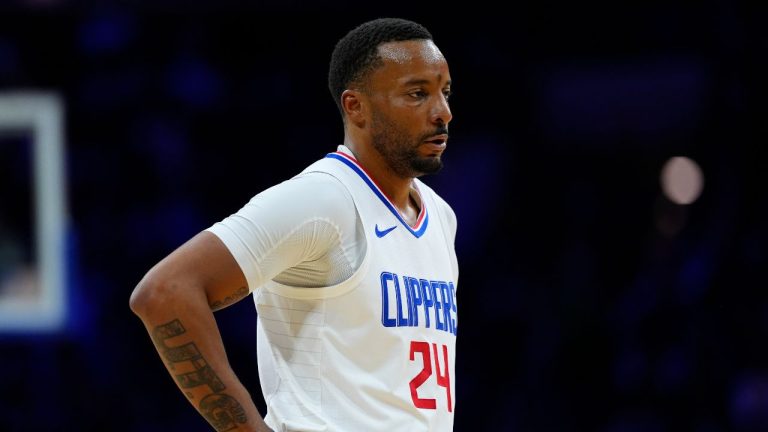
[442,205]
[312,195]
[314,185]
[426,189]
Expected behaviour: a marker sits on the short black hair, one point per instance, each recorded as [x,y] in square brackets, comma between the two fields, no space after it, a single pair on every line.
[356,54]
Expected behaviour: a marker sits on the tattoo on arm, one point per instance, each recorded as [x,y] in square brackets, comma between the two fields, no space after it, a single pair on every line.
[237,295]
[220,409]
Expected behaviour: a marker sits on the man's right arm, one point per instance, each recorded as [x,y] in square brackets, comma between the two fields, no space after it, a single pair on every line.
[175,300]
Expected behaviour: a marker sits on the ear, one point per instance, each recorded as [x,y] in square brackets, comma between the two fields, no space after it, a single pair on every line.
[352,101]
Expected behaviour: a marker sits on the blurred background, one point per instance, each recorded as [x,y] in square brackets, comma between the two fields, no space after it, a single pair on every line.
[606,164]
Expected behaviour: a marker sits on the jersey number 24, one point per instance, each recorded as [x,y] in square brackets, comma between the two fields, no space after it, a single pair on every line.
[443,378]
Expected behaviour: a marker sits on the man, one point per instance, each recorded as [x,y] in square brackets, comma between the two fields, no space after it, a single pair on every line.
[351,264]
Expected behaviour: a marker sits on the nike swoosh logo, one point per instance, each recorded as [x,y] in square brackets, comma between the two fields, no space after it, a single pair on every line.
[381,234]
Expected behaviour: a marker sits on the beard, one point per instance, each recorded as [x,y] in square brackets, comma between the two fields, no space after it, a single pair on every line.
[400,150]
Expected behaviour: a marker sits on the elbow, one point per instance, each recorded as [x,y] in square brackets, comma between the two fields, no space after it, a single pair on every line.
[150,294]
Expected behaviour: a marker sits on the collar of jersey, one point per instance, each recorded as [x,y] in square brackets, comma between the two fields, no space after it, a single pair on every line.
[346,157]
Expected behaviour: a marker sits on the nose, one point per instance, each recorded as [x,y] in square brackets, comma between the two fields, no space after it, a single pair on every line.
[441,112]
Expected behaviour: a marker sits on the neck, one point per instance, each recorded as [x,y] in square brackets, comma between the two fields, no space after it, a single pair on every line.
[397,188]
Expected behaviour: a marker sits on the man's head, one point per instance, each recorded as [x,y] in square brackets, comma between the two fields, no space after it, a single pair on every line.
[356,54]
[391,84]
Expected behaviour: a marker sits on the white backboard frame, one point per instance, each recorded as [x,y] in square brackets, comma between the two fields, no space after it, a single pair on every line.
[41,115]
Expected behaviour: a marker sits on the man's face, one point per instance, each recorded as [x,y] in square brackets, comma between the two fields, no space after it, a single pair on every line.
[409,107]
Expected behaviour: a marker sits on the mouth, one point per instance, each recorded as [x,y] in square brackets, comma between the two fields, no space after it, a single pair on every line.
[437,142]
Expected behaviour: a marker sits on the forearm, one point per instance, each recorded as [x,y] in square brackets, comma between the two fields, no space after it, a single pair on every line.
[185,334]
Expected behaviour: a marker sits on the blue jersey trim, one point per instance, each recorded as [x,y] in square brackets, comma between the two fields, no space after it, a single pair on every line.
[383,198]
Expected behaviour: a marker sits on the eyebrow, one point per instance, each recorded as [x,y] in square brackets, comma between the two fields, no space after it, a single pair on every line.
[417,81]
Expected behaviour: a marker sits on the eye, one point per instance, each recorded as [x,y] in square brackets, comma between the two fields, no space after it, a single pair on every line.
[418,94]
[447,94]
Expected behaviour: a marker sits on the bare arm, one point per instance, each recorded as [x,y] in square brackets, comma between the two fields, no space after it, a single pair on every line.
[176,300]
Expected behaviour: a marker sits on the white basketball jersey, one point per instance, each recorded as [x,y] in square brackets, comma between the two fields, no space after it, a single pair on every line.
[375,352]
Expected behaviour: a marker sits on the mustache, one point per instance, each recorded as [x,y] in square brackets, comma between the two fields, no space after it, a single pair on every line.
[441,130]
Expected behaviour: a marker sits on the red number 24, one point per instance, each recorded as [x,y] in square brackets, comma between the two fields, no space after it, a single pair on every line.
[443,379]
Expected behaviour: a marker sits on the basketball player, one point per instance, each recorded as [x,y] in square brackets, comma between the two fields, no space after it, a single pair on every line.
[351,264]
